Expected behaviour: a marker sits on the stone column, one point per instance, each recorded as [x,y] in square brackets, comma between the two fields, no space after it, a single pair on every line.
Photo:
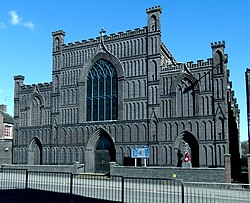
[227,168]
[248,164]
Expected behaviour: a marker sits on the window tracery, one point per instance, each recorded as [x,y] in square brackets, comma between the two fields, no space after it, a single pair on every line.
[101,99]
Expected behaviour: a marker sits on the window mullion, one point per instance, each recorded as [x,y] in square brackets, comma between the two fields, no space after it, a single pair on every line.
[98,98]
[92,99]
[111,98]
[104,96]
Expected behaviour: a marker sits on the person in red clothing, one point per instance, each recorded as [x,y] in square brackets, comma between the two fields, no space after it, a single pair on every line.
[187,157]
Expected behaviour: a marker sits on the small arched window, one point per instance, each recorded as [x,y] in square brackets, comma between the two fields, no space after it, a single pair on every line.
[218,60]
[153,25]
[101,99]
[57,42]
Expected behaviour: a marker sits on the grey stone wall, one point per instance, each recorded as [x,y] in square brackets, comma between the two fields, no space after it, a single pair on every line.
[186,174]
[75,168]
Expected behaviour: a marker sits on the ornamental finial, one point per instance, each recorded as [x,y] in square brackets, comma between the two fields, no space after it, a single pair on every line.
[102,32]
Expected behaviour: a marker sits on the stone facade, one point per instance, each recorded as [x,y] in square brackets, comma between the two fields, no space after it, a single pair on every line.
[159,103]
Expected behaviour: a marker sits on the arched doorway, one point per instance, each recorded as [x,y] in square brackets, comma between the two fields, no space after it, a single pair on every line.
[104,153]
[100,151]
[187,139]
[35,152]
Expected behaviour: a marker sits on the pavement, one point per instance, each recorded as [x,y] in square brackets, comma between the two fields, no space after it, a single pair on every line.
[38,196]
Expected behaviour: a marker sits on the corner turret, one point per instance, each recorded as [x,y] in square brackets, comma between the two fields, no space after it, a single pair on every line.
[219,57]
[154,18]
[58,39]
[18,84]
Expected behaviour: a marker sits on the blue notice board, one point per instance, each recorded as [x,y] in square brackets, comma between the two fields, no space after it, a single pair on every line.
[140,152]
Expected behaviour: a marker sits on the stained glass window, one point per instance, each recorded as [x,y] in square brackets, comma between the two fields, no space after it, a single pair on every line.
[101,100]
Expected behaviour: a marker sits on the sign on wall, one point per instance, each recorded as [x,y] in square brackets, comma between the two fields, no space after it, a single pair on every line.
[140,152]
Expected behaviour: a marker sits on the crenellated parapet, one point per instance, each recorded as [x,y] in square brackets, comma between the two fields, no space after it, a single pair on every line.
[58,32]
[40,85]
[154,9]
[218,44]
[190,65]
[112,36]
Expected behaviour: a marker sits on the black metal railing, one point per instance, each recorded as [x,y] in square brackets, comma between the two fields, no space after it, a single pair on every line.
[124,189]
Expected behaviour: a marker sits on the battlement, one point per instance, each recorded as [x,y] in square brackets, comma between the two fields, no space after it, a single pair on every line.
[154,9]
[218,44]
[19,77]
[40,85]
[58,32]
[112,36]
[190,65]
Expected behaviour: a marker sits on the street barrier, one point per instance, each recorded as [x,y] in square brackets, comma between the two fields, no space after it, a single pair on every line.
[124,189]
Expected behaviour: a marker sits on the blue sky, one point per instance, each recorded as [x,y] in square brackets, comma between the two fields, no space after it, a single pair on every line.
[188,28]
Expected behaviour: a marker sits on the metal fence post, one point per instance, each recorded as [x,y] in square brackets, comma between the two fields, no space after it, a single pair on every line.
[71,185]
[182,191]
[122,189]
[26,179]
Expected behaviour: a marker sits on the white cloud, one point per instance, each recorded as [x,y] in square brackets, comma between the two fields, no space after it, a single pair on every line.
[29,25]
[14,18]
[2,25]
[17,20]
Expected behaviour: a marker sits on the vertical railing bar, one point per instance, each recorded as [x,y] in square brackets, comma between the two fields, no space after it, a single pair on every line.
[71,186]
[99,183]
[174,191]
[128,189]
[155,187]
[148,191]
[209,193]
[105,187]
[91,185]
[26,179]
[3,179]
[182,192]
[122,189]
[160,189]
[168,190]
[87,188]
[140,186]
[104,191]
[101,186]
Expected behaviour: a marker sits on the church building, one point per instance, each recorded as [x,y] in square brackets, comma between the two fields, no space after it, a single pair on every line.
[121,91]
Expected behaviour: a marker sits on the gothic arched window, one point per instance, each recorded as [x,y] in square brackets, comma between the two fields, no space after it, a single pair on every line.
[185,100]
[36,112]
[153,24]
[57,44]
[218,61]
[101,99]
